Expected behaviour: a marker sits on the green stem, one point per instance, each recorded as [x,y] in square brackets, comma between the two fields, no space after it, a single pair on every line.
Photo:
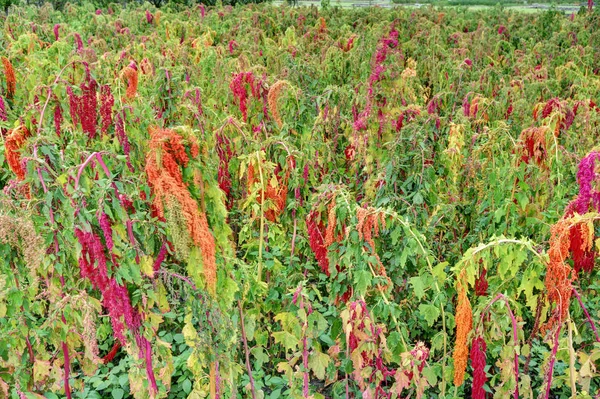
[572,371]
[262,220]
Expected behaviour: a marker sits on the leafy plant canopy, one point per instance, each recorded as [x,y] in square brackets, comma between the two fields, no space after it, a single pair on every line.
[267,202]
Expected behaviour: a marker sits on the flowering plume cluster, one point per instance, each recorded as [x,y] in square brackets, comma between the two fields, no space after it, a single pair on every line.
[130,74]
[239,88]
[56,31]
[83,108]
[386,44]
[464,324]
[12,145]
[115,297]
[166,156]
[559,275]
[19,232]
[73,105]
[366,343]
[582,234]
[93,266]
[232,46]
[558,109]
[316,236]
[105,225]
[146,67]
[225,153]
[122,137]
[582,246]
[370,221]
[348,45]
[88,104]
[533,144]
[276,191]
[361,329]
[78,42]
[106,103]
[9,75]
[58,119]
[3,116]
[405,117]
[273,96]
[434,105]
[470,108]
[587,198]
[477,356]
[481,283]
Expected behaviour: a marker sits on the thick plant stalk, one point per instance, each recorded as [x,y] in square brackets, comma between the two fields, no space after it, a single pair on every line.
[247,351]
[262,223]
[552,360]
[292,250]
[305,389]
[572,355]
[67,360]
[515,336]
[149,369]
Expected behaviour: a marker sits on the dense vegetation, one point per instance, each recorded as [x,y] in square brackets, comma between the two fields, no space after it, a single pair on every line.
[273,202]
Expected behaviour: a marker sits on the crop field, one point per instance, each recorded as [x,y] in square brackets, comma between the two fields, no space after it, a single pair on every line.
[271,202]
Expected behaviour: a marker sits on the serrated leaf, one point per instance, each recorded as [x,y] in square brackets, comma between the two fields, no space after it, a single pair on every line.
[362,280]
[418,286]
[318,362]
[430,312]
[286,339]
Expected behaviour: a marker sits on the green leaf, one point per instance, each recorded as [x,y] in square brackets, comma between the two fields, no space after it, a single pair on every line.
[418,199]
[187,386]
[289,322]
[431,373]
[286,339]
[439,271]
[418,286]
[430,312]
[362,280]
[118,393]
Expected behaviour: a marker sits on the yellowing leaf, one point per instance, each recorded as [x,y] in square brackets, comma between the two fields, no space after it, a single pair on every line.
[286,339]
[41,370]
[146,265]
[318,362]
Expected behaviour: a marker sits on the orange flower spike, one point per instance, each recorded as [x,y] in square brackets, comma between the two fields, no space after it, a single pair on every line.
[9,74]
[167,184]
[464,324]
[559,275]
[272,97]
[130,73]
[331,221]
[13,144]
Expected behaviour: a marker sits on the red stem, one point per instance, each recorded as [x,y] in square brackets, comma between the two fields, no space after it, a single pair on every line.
[515,336]
[149,369]
[305,390]
[552,359]
[589,318]
[65,350]
[113,352]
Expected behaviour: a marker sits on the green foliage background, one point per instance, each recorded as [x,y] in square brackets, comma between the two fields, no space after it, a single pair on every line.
[451,187]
